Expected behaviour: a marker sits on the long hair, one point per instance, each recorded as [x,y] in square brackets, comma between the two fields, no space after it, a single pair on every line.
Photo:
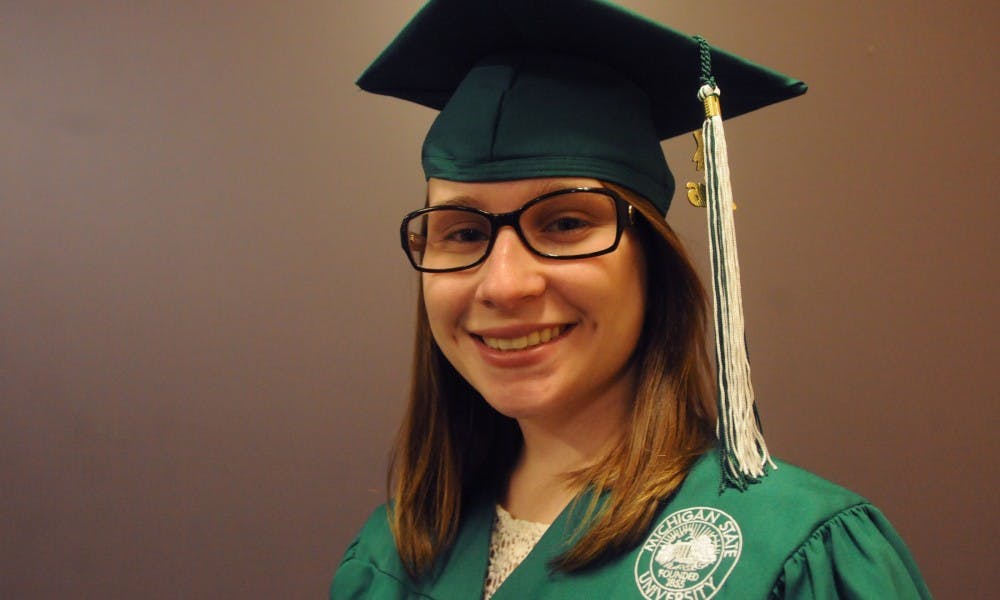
[453,447]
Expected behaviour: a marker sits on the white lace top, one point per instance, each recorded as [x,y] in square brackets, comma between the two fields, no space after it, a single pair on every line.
[510,542]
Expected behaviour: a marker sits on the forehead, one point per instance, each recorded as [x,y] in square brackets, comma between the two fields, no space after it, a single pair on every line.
[499,196]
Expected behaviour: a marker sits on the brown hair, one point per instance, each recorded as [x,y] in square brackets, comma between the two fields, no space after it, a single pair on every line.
[453,447]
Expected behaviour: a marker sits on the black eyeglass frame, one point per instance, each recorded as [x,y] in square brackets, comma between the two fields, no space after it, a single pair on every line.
[624,217]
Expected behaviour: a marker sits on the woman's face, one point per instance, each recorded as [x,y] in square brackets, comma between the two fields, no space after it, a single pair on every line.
[491,321]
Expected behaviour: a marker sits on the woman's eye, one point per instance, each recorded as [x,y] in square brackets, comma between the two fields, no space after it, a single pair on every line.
[565,224]
[466,235]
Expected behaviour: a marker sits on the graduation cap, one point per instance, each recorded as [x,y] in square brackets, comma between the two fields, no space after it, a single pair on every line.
[563,88]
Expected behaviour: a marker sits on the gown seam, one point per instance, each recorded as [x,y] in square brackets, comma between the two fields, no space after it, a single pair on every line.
[406,584]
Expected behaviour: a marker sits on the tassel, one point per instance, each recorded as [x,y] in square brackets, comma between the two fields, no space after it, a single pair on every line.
[744,454]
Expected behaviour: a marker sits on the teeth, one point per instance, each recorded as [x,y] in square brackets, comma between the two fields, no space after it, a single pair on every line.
[532,339]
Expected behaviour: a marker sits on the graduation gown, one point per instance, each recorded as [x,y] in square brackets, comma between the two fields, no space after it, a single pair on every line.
[793,535]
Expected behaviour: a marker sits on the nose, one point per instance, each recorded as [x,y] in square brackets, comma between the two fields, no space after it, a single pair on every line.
[511,274]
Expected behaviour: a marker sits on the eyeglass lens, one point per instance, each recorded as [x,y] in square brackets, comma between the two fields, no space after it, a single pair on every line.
[564,225]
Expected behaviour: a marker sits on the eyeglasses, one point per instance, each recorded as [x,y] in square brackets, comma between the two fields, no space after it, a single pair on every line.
[565,224]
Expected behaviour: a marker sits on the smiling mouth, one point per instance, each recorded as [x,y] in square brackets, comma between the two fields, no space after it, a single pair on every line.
[535,338]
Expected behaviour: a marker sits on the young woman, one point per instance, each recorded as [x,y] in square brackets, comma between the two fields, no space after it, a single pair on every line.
[560,440]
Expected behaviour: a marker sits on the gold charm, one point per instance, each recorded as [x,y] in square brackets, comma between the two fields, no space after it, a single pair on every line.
[696,194]
[696,191]
[699,152]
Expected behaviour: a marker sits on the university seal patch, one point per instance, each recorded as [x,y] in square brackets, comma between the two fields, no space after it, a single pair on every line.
[689,555]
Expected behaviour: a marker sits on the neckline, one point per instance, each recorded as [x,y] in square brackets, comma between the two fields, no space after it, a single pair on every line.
[504,515]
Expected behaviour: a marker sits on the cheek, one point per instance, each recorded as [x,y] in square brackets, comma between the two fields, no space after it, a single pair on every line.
[634,285]
[629,263]
[443,303]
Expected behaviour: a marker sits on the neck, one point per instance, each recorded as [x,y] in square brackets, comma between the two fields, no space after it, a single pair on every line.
[556,446]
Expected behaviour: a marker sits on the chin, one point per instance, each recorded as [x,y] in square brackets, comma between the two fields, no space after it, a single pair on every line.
[522,404]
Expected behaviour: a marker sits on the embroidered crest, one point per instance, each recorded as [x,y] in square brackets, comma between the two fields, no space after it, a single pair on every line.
[689,555]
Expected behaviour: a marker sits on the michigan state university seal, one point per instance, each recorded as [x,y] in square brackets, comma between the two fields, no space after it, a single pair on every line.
[689,555]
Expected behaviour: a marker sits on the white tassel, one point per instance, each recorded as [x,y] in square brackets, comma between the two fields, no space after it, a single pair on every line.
[744,452]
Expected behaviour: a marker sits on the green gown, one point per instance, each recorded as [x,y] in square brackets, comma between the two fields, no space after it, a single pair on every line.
[793,535]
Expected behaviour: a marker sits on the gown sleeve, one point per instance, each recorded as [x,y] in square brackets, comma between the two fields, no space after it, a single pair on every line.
[854,554]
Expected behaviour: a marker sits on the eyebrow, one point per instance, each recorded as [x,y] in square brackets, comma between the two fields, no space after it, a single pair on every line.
[561,184]
[472,202]
[457,201]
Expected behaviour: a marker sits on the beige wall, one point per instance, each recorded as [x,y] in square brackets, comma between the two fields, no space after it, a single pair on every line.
[205,320]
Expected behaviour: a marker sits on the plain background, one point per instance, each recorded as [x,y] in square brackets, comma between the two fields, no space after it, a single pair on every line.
[205,321]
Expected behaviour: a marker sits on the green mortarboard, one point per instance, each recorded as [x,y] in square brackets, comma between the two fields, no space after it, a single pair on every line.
[562,88]
[536,88]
